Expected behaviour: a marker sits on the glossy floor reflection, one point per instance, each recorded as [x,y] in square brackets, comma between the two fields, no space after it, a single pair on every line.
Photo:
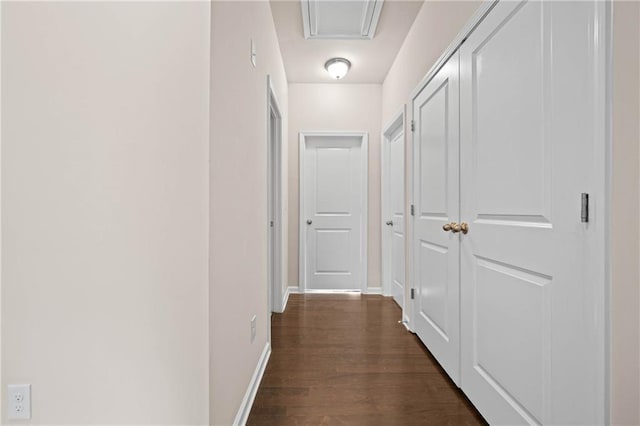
[345,360]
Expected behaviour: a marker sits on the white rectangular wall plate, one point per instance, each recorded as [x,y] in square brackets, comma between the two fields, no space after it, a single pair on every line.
[19,399]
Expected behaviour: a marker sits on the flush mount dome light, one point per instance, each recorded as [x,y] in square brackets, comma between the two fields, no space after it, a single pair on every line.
[337,67]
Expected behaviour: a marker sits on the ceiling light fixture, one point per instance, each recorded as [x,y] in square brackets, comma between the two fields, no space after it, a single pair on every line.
[337,67]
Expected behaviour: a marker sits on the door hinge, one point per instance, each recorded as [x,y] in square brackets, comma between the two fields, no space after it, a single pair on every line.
[412,210]
[413,293]
[584,211]
[271,224]
[413,126]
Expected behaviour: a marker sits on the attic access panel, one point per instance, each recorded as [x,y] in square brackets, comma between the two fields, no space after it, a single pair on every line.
[340,19]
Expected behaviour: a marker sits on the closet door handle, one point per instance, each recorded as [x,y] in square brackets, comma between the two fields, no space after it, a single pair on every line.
[464,227]
[309,221]
[390,223]
[448,226]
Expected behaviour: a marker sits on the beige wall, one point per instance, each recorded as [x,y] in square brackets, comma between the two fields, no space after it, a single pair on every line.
[238,259]
[625,321]
[435,27]
[336,107]
[104,210]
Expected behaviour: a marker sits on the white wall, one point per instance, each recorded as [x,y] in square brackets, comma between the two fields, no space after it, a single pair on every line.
[336,107]
[239,194]
[435,27]
[104,210]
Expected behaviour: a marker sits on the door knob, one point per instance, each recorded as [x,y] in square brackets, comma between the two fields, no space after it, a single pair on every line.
[464,227]
[448,226]
[309,221]
[390,223]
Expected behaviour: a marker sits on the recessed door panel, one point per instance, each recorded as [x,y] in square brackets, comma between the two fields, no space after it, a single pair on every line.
[434,141]
[333,181]
[512,317]
[434,287]
[397,264]
[333,251]
[510,144]
[436,249]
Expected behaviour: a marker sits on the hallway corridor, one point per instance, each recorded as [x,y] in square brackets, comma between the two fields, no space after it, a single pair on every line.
[345,360]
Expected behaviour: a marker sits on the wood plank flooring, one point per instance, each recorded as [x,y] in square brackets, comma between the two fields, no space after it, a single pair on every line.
[345,360]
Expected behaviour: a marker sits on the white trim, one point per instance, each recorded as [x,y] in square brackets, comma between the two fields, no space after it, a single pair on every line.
[471,25]
[285,299]
[250,395]
[321,291]
[605,168]
[397,123]
[302,243]
[608,207]
[275,289]
[375,290]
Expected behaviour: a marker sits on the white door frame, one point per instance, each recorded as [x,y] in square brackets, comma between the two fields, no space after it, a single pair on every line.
[274,174]
[302,229]
[397,122]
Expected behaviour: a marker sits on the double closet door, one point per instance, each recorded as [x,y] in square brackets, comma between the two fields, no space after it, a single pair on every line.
[509,271]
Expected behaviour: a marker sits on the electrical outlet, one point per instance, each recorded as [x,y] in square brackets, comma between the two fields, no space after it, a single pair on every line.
[19,397]
[253,328]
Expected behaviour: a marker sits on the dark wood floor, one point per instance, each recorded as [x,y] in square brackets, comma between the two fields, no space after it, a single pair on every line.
[345,360]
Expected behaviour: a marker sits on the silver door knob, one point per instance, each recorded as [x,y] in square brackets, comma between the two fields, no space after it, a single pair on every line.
[309,221]
[390,223]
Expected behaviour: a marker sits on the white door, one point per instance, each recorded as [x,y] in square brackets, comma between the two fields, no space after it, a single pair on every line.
[393,216]
[436,199]
[333,211]
[532,111]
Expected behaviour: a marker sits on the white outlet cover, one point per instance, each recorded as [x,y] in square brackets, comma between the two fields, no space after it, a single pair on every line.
[19,400]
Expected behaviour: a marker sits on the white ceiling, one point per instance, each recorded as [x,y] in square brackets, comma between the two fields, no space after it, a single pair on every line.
[370,59]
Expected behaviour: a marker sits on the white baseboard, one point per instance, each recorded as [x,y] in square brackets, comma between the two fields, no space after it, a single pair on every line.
[369,290]
[285,297]
[247,402]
